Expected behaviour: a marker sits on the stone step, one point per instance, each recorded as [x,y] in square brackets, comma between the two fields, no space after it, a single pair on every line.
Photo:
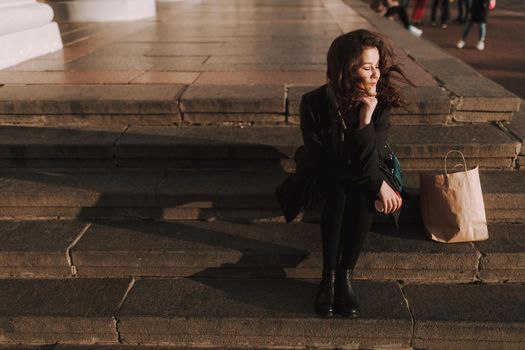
[190,195]
[155,104]
[201,312]
[55,249]
[418,147]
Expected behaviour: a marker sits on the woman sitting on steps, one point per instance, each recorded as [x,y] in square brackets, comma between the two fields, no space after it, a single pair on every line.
[344,126]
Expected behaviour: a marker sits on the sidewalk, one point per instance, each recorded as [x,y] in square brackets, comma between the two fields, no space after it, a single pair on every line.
[191,42]
[260,44]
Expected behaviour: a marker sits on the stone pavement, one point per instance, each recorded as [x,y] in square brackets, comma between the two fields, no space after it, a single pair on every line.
[138,170]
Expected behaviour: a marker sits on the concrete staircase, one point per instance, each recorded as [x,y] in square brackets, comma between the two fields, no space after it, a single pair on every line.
[169,235]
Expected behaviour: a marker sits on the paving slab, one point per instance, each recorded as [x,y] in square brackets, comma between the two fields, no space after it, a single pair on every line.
[295,58]
[36,248]
[78,99]
[409,255]
[303,67]
[475,141]
[60,142]
[168,65]
[283,44]
[67,78]
[475,92]
[480,94]
[517,127]
[505,248]
[41,311]
[90,120]
[166,78]
[247,78]
[182,49]
[28,347]
[36,65]
[230,189]
[194,142]
[143,63]
[234,99]
[295,93]
[467,316]
[480,117]
[227,313]
[234,119]
[186,248]
[44,188]
[126,347]
[226,249]
[424,100]
[413,71]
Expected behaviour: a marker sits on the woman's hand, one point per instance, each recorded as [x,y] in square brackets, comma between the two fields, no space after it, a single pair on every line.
[390,199]
[369,101]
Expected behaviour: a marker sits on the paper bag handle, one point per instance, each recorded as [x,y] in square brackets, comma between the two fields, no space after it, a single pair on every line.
[464,161]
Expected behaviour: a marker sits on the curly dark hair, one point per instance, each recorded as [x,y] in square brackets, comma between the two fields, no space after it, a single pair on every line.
[344,59]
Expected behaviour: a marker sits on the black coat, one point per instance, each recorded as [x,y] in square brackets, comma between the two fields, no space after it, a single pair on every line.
[325,152]
[325,143]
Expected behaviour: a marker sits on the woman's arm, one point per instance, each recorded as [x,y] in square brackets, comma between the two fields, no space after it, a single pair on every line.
[368,143]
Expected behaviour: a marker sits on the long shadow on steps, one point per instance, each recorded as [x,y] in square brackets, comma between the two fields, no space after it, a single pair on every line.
[160,147]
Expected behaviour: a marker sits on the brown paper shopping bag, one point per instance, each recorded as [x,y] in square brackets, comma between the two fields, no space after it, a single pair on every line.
[452,205]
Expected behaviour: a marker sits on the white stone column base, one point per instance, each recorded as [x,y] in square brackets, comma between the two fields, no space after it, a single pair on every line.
[103,10]
[29,43]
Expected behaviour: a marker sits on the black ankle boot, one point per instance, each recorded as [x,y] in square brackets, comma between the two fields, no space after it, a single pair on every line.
[346,302]
[324,303]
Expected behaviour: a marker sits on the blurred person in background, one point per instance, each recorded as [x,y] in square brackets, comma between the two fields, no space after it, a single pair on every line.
[479,13]
[400,8]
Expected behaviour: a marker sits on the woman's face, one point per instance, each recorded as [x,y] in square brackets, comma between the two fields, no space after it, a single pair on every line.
[368,70]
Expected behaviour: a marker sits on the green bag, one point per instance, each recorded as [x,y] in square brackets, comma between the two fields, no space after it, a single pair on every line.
[393,170]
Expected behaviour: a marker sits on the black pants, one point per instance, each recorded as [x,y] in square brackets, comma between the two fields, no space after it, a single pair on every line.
[445,10]
[345,221]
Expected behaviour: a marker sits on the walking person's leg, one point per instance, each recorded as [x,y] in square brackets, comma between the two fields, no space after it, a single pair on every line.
[403,16]
[445,13]
[482,31]
[435,4]
[466,30]
[482,34]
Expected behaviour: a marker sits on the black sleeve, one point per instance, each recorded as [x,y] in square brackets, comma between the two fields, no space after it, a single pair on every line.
[310,130]
[369,143]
